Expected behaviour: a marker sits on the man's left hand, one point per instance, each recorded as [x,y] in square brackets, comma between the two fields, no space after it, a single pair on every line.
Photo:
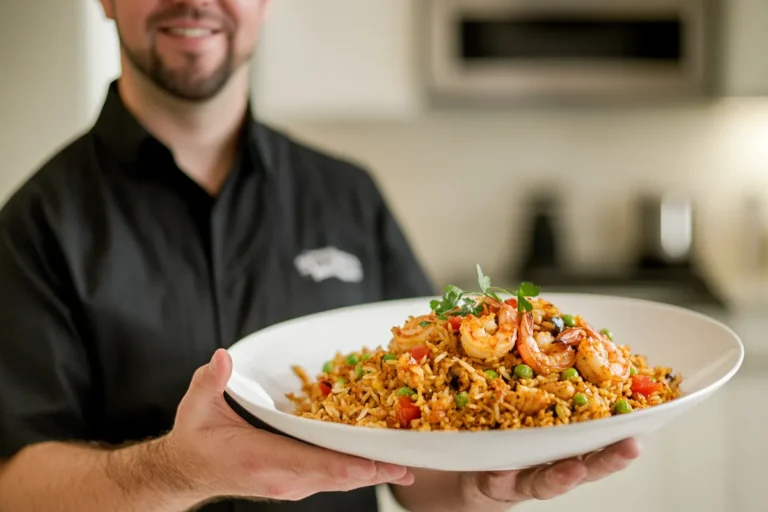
[547,482]
[500,491]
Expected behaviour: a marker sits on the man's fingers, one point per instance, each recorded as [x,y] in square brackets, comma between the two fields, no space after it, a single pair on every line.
[613,459]
[549,482]
[211,379]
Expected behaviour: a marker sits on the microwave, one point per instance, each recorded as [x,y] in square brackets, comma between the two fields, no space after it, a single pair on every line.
[507,49]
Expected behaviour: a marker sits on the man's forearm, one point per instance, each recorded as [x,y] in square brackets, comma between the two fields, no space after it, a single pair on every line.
[443,492]
[63,477]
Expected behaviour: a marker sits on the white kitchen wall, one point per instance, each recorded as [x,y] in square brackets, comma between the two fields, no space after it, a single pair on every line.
[43,96]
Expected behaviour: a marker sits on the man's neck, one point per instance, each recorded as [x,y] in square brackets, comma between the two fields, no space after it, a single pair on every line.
[202,136]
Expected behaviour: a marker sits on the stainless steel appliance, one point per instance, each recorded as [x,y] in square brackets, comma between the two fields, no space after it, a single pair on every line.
[493,49]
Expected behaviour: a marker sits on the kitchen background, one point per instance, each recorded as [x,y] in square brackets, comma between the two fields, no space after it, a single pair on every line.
[470,178]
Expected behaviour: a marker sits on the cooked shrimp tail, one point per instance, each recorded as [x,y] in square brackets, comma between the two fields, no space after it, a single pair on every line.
[546,359]
[489,335]
[599,359]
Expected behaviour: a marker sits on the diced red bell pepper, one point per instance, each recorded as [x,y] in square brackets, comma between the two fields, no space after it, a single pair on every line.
[325,387]
[419,352]
[511,302]
[645,385]
[406,411]
[455,322]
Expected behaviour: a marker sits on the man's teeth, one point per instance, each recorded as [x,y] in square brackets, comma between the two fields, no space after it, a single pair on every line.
[190,32]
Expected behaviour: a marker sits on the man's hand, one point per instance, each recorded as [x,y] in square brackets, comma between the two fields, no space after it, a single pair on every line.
[210,453]
[547,482]
[214,450]
[499,491]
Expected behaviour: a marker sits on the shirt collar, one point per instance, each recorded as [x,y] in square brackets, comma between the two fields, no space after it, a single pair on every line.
[129,141]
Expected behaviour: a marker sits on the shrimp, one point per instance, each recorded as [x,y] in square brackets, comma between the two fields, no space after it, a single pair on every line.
[599,359]
[413,333]
[544,358]
[530,400]
[482,337]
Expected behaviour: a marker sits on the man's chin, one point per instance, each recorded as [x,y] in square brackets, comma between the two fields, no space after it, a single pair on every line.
[191,87]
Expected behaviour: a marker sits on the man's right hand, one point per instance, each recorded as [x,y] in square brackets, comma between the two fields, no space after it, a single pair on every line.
[213,451]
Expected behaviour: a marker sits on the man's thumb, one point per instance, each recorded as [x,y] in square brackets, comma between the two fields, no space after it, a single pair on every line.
[211,379]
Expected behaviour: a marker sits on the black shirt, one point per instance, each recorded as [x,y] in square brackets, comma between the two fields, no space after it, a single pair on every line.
[120,276]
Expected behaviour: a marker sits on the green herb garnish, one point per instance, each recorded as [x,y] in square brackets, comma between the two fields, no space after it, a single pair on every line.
[425,324]
[457,302]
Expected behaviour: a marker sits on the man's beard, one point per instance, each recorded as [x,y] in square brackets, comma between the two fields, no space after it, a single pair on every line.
[185,83]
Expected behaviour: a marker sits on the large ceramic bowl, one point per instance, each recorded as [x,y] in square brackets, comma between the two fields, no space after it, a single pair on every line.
[707,353]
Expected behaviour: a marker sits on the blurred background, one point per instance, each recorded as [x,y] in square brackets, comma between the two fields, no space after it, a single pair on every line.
[615,146]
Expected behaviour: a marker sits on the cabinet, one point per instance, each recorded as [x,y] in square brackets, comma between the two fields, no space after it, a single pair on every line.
[336,58]
[744,68]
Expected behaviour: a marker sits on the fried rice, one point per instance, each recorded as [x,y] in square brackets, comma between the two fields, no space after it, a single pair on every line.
[427,380]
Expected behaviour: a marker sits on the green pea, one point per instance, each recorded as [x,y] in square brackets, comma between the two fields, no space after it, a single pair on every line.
[340,383]
[523,371]
[569,320]
[352,359]
[367,357]
[632,370]
[569,374]
[580,399]
[359,371]
[491,374]
[622,407]
[462,399]
[607,333]
[328,367]
[389,357]
[405,391]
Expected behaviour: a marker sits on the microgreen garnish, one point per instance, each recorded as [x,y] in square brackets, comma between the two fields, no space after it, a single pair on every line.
[457,302]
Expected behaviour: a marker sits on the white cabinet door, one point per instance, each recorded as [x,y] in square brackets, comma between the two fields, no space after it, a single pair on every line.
[745,38]
[336,59]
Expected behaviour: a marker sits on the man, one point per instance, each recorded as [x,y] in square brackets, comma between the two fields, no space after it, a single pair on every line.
[174,227]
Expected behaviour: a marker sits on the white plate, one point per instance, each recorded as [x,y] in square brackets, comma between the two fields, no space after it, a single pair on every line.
[706,352]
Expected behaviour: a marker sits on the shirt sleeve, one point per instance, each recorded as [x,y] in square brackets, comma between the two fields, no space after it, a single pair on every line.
[44,374]
[403,275]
